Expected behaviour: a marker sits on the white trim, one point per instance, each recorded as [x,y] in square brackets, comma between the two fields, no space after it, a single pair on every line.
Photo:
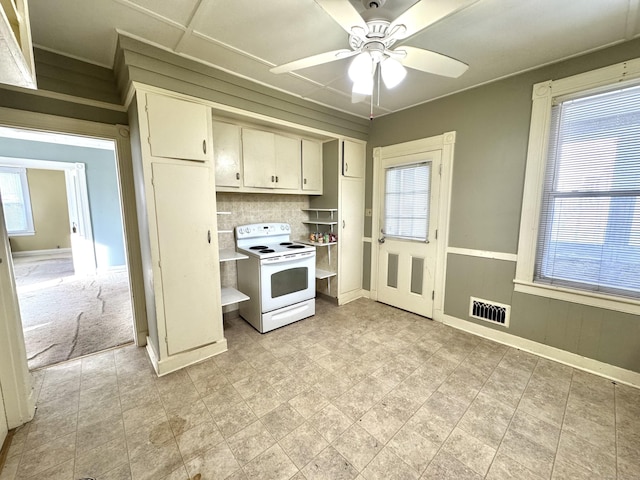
[593,299]
[40,253]
[180,360]
[621,375]
[544,93]
[469,252]
[350,296]
[367,239]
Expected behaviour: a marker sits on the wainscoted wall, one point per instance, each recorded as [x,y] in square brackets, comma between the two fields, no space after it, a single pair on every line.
[249,208]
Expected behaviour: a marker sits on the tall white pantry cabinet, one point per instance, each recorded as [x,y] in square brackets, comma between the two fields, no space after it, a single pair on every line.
[175,194]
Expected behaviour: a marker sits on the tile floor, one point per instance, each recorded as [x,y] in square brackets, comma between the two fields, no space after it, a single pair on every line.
[361,391]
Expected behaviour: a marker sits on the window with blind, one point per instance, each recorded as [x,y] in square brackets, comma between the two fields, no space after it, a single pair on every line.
[589,235]
[406,202]
[16,202]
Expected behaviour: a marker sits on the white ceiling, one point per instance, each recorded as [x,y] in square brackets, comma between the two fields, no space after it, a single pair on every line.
[497,38]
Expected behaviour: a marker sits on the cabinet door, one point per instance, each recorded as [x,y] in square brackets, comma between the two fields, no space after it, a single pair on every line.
[311,166]
[353,159]
[177,128]
[351,229]
[258,158]
[287,152]
[226,154]
[188,255]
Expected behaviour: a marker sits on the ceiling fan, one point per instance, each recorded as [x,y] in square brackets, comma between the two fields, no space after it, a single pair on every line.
[371,43]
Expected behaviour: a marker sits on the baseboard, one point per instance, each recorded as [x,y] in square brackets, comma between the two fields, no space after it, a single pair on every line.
[184,359]
[39,253]
[617,374]
[351,296]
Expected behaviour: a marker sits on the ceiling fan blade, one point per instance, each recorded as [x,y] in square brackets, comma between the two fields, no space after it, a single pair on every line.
[344,14]
[432,62]
[425,13]
[314,60]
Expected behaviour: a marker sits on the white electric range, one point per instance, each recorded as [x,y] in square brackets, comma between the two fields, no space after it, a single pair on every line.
[278,276]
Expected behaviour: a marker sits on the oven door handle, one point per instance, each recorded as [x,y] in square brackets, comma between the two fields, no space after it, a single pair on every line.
[287,258]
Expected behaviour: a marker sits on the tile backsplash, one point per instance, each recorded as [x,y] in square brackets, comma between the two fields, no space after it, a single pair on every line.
[249,208]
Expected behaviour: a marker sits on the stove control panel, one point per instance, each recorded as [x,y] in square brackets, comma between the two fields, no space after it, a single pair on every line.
[262,230]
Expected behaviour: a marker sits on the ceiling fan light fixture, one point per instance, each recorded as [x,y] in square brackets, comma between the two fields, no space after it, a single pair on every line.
[393,72]
[361,68]
[364,86]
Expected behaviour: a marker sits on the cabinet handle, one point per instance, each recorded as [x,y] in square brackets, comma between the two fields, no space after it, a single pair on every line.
[276,179]
[273,178]
[343,225]
[346,167]
[305,181]
[238,176]
[204,146]
[209,236]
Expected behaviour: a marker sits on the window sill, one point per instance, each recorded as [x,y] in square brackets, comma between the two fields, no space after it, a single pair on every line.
[21,234]
[609,302]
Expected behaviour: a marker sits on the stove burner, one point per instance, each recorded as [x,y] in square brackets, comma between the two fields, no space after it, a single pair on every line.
[258,247]
[286,243]
[267,250]
[295,246]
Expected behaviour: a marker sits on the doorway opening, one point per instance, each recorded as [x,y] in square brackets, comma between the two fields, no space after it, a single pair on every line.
[70,263]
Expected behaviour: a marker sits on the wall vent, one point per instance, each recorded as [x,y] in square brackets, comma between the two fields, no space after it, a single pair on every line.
[489,311]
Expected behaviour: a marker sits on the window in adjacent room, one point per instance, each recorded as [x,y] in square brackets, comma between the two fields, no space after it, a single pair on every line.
[16,202]
[580,226]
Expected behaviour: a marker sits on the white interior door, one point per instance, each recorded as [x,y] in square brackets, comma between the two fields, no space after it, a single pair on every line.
[188,255]
[408,192]
[82,245]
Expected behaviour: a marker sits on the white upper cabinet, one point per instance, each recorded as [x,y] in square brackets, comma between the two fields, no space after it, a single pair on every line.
[226,154]
[287,168]
[270,160]
[258,158]
[178,128]
[353,159]
[311,166]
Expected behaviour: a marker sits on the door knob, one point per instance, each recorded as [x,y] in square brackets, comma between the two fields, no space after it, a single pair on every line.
[381,240]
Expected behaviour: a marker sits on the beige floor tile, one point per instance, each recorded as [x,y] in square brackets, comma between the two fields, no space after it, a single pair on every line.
[234,418]
[330,422]
[303,444]
[44,457]
[505,468]
[413,448]
[329,465]
[445,466]
[578,451]
[198,439]
[273,464]
[308,403]
[101,459]
[388,466]
[357,446]
[99,433]
[157,462]
[487,420]
[250,442]
[217,462]
[470,451]
[529,453]
[188,416]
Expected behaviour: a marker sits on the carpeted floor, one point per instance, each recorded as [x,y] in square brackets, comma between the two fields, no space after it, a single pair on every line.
[66,316]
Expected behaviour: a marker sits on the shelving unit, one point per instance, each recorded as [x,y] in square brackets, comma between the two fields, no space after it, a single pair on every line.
[331,222]
[230,295]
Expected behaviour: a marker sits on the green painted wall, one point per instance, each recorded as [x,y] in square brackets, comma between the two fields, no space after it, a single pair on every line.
[492,125]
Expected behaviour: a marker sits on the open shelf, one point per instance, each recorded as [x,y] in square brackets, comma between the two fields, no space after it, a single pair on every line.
[328,210]
[229,255]
[231,295]
[306,241]
[319,222]
[320,274]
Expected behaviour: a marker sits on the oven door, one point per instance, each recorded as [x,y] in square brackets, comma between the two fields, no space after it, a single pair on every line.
[287,280]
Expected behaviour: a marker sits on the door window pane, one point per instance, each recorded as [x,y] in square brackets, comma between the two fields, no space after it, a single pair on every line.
[406,205]
[16,203]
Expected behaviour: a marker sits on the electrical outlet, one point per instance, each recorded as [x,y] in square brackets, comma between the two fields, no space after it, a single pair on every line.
[367,212]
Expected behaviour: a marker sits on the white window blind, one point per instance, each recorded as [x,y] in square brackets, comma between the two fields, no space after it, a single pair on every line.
[406,203]
[590,220]
[16,203]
